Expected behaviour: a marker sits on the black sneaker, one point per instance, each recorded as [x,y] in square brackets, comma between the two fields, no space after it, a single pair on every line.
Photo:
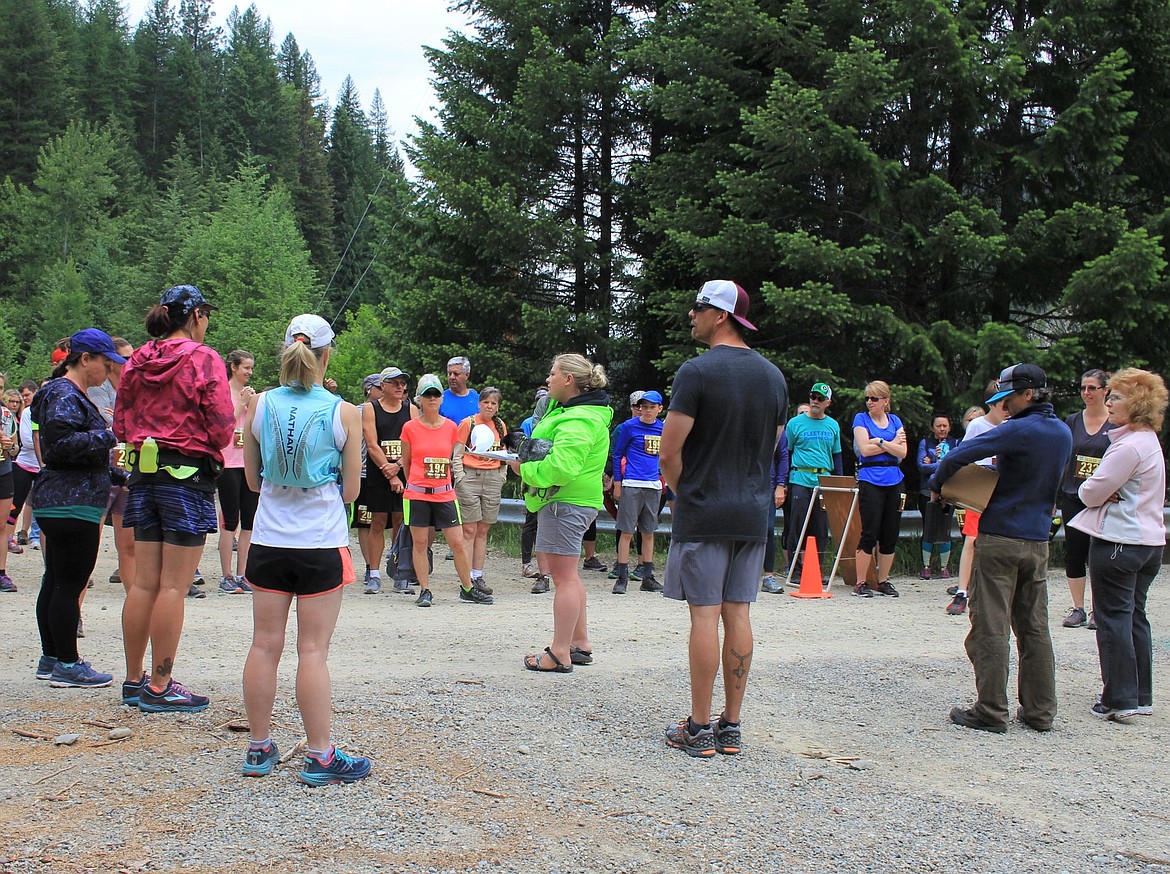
[952,590]
[619,588]
[594,564]
[700,746]
[887,589]
[541,585]
[727,740]
[968,719]
[958,605]
[424,598]
[475,595]
[649,584]
[481,584]
[196,592]
[861,590]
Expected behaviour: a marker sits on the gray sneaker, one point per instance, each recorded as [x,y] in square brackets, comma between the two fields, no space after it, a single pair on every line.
[373,586]
[45,667]
[541,585]
[402,587]
[78,676]
[701,745]
[770,586]
[727,737]
[244,585]
[1076,618]
[481,584]
[195,592]
[229,586]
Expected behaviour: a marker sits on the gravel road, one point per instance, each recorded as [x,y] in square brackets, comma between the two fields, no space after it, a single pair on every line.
[849,765]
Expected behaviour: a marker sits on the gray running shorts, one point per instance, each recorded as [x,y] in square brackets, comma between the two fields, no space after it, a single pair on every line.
[709,572]
[638,510]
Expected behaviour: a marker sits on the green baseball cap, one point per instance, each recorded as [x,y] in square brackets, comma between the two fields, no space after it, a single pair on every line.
[822,388]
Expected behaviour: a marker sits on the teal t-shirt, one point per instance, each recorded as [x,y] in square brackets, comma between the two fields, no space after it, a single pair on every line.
[811,446]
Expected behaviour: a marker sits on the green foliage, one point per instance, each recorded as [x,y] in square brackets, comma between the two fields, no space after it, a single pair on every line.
[251,262]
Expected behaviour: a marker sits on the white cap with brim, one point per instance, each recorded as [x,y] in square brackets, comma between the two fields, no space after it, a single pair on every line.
[314,328]
[725,295]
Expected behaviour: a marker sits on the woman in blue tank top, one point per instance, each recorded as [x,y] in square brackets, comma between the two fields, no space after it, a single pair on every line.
[302,452]
[881,445]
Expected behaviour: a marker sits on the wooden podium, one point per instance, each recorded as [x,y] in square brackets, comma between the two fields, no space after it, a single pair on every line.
[837,506]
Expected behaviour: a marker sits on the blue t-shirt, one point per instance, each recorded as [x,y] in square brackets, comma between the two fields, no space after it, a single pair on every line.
[811,446]
[877,469]
[458,408]
[637,443]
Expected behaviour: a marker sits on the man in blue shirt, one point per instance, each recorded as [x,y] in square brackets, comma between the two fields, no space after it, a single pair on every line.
[459,401]
[814,448]
[1011,563]
[638,489]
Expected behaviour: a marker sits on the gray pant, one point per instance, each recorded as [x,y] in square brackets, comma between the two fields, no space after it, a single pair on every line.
[1121,575]
[1011,595]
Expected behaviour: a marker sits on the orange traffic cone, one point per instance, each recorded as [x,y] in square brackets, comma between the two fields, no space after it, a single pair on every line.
[810,573]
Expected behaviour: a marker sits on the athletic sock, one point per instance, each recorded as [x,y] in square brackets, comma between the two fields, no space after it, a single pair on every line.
[648,568]
[322,756]
[476,573]
[375,574]
[261,744]
[926,556]
[694,728]
[623,570]
[723,723]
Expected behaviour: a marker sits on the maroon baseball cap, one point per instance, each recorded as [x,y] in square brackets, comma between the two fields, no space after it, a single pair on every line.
[725,295]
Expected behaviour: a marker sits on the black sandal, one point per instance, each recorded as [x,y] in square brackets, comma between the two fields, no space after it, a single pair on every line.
[580,656]
[533,662]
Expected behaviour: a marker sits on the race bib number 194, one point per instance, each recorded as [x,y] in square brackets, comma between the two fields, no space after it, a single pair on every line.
[436,468]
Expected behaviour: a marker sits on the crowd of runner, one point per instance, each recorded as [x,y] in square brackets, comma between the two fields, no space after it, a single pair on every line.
[145,440]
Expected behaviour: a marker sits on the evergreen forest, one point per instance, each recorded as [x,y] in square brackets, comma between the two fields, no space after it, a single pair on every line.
[917,191]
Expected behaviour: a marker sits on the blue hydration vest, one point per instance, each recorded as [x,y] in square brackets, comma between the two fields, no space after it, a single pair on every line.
[296,442]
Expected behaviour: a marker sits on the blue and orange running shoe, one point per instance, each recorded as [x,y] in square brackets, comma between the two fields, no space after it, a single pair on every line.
[339,769]
[259,762]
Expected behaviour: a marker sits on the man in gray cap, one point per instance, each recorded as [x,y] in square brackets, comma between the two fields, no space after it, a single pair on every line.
[1011,563]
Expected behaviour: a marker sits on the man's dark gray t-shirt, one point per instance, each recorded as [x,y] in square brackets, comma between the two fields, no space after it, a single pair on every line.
[738,399]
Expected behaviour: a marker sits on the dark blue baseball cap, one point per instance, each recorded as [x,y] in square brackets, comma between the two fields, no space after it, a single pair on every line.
[95,342]
[182,299]
[1016,378]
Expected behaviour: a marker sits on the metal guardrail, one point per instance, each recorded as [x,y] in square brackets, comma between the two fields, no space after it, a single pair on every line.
[512,513]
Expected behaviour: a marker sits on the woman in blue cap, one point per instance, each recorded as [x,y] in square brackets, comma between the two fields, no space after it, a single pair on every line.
[69,501]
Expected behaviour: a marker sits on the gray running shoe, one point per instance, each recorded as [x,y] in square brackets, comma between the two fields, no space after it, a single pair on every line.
[229,586]
[196,592]
[481,584]
[244,585]
[541,585]
[373,586]
[1076,618]
[424,598]
[770,586]
[700,746]
[80,675]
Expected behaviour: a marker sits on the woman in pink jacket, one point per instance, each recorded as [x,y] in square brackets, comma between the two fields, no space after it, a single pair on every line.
[1123,515]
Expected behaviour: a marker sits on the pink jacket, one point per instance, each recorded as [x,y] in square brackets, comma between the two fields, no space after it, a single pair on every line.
[1133,469]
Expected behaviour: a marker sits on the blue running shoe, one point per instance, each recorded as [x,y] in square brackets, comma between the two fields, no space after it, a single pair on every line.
[260,762]
[341,769]
[45,667]
[78,676]
[174,698]
[131,692]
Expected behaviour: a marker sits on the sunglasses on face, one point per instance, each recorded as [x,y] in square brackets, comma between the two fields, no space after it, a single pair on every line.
[873,400]
[817,398]
[432,393]
[1092,387]
[698,306]
[203,313]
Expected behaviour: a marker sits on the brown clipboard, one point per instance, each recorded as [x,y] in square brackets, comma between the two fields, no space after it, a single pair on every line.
[971,487]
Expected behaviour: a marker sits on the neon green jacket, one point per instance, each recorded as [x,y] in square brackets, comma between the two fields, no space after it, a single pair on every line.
[571,473]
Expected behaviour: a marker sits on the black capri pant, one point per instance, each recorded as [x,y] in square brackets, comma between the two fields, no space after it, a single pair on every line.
[70,551]
[22,482]
[237,502]
[1076,543]
[881,515]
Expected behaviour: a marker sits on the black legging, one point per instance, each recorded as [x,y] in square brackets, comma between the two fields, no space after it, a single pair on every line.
[70,551]
[1076,542]
[237,502]
[22,481]
[528,537]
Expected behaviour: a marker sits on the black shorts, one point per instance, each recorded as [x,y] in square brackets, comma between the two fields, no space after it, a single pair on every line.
[7,486]
[432,514]
[377,496]
[304,573]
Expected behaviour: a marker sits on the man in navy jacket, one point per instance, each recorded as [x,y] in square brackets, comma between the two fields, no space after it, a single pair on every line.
[1011,559]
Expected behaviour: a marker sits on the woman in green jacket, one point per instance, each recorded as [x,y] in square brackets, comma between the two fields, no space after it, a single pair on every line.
[564,490]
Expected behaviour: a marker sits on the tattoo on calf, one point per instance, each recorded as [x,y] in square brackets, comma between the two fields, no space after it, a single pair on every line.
[740,670]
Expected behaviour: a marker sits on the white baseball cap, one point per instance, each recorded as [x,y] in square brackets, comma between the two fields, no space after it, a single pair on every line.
[314,328]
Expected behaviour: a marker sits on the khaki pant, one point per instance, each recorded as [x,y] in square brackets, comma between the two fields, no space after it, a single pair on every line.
[1010,594]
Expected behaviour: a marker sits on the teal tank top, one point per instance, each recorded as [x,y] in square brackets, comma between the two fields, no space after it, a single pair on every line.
[296,442]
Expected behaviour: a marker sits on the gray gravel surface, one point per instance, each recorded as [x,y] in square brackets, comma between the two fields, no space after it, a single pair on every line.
[849,765]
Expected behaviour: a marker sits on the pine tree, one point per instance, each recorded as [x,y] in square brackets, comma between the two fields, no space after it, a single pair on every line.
[34,100]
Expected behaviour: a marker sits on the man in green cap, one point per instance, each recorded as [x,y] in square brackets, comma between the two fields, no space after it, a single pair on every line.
[814,446]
